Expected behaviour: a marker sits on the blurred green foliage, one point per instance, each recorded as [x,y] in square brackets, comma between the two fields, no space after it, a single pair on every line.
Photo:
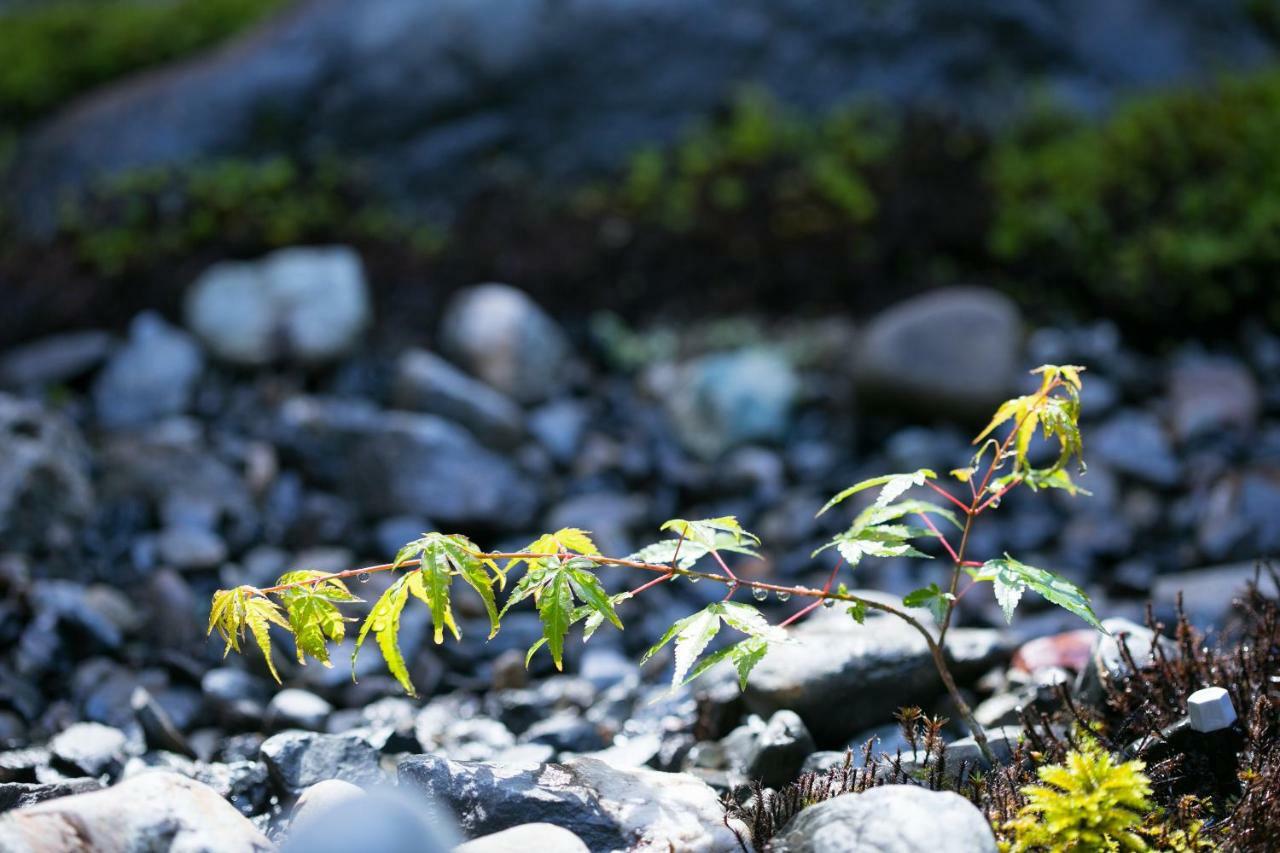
[50,51]
[149,217]
[1168,211]
[804,176]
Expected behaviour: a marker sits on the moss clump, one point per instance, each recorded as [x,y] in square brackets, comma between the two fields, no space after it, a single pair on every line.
[55,50]
[1168,209]
[144,218]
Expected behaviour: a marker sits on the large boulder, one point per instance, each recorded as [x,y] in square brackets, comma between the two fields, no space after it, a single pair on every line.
[45,491]
[305,304]
[607,807]
[868,671]
[950,349]
[431,93]
[425,382]
[298,760]
[889,819]
[152,811]
[402,463]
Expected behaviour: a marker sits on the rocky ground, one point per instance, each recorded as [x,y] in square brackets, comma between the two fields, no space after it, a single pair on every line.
[272,428]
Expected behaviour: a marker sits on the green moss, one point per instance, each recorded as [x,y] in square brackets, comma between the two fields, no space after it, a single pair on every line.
[145,217]
[55,50]
[1168,209]
[805,175]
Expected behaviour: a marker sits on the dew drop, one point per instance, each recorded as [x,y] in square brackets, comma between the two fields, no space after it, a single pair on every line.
[783,595]
[759,594]
[828,603]
[363,577]
[693,578]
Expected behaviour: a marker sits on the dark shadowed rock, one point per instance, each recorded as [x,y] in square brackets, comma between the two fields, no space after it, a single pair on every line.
[889,819]
[867,671]
[1107,659]
[432,93]
[953,348]
[398,462]
[154,810]
[298,760]
[771,753]
[1208,396]
[45,490]
[89,749]
[608,808]
[1135,444]
[425,382]
[53,360]
[17,795]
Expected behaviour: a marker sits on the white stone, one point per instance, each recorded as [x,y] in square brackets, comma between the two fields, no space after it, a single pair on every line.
[307,304]
[1210,709]
[528,837]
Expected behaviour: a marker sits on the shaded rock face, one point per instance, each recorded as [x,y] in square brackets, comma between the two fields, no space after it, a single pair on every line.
[44,476]
[842,677]
[607,807]
[890,819]
[955,348]
[430,92]
[152,811]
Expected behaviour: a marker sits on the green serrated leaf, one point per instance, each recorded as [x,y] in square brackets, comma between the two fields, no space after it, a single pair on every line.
[708,531]
[858,611]
[893,486]
[384,621]
[260,614]
[746,655]
[1011,577]
[692,640]
[590,591]
[748,620]
[937,600]
[555,606]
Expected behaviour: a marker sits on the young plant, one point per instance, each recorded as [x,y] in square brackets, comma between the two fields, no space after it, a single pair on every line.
[560,569]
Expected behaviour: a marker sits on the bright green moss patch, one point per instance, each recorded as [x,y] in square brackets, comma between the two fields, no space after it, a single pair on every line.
[54,50]
[1170,208]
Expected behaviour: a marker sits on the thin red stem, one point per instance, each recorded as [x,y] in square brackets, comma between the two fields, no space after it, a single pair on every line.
[809,608]
[653,582]
[936,532]
[965,508]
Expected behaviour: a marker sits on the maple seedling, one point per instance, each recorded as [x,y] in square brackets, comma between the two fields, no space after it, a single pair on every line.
[561,569]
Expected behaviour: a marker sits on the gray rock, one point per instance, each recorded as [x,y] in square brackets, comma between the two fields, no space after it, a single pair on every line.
[45,491]
[298,760]
[1208,593]
[388,821]
[889,819]
[17,795]
[610,516]
[607,807]
[558,426]
[155,810]
[292,708]
[723,400]
[1238,518]
[954,349]
[157,726]
[391,463]
[501,335]
[150,377]
[542,837]
[308,305]
[565,732]
[190,548]
[1107,662]
[89,749]
[1208,396]
[53,360]
[1135,444]
[868,671]
[427,383]
[427,94]
[235,695]
[321,797]
[244,784]
[772,753]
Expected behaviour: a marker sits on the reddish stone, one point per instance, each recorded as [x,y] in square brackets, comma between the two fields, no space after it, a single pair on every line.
[1069,650]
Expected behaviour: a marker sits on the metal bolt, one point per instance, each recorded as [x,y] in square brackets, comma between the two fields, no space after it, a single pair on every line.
[1210,709]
